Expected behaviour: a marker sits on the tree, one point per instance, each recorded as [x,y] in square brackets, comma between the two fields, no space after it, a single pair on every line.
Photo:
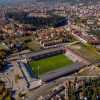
[2,56]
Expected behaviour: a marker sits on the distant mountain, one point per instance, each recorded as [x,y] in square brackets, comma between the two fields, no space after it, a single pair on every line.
[69,1]
[4,2]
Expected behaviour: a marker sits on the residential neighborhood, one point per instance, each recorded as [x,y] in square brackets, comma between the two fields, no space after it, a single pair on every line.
[50,50]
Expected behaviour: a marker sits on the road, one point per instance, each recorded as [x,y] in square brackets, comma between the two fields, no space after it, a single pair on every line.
[46,88]
[28,53]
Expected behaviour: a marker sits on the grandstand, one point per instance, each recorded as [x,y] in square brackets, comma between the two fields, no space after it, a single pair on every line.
[32,82]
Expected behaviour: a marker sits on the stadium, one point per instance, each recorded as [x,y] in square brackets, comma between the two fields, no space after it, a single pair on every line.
[48,61]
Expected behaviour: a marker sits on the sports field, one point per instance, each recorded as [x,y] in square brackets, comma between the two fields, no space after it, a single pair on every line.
[48,64]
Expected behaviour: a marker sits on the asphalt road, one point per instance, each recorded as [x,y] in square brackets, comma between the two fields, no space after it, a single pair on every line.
[46,88]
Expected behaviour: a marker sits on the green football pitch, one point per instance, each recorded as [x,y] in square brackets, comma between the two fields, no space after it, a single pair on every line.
[51,63]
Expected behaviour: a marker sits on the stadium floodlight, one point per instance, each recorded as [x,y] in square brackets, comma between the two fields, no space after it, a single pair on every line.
[38,70]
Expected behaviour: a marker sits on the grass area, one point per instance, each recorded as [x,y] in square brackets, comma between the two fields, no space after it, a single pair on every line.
[7,97]
[88,52]
[89,71]
[30,42]
[3,46]
[51,63]
[95,32]
[34,46]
